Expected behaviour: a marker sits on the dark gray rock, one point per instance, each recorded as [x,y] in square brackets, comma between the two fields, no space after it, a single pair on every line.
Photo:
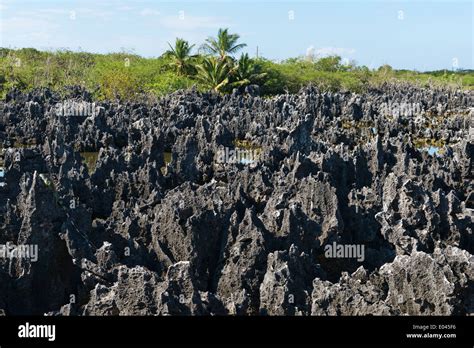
[136,212]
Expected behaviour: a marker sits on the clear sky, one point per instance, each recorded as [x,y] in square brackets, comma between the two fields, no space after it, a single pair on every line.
[421,35]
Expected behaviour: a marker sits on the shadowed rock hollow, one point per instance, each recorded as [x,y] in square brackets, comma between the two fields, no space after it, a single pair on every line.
[134,213]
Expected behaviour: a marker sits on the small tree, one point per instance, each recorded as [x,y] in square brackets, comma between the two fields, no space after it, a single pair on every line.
[224,45]
[214,73]
[182,60]
[245,73]
[330,64]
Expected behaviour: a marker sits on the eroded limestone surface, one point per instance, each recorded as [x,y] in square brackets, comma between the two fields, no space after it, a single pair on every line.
[133,214]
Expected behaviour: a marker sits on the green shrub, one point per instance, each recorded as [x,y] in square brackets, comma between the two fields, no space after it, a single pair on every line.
[168,82]
[128,76]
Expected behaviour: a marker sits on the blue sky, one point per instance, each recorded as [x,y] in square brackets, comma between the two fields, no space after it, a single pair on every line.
[421,35]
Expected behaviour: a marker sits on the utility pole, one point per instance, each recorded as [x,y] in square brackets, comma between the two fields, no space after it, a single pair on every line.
[257,52]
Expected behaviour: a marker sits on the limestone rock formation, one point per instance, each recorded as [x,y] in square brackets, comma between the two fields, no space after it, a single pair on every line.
[203,204]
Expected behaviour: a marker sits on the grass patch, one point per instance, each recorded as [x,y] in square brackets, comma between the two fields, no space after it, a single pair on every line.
[426,142]
[167,158]
[109,76]
[432,146]
[90,160]
[127,76]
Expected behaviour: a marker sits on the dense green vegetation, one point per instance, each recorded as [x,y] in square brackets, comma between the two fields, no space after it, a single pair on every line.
[128,76]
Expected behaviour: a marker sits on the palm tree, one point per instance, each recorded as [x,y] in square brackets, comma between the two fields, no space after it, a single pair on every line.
[225,44]
[245,72]
[214,73]
[223,75]
[181,56]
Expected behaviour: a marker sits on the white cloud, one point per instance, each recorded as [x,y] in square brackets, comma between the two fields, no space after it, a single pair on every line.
[92,13]
[47,14]
[22,31]
[189,23]
[125,8]
[52,11]
[52,14]
[25,24]
[149,12]
[334,51]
